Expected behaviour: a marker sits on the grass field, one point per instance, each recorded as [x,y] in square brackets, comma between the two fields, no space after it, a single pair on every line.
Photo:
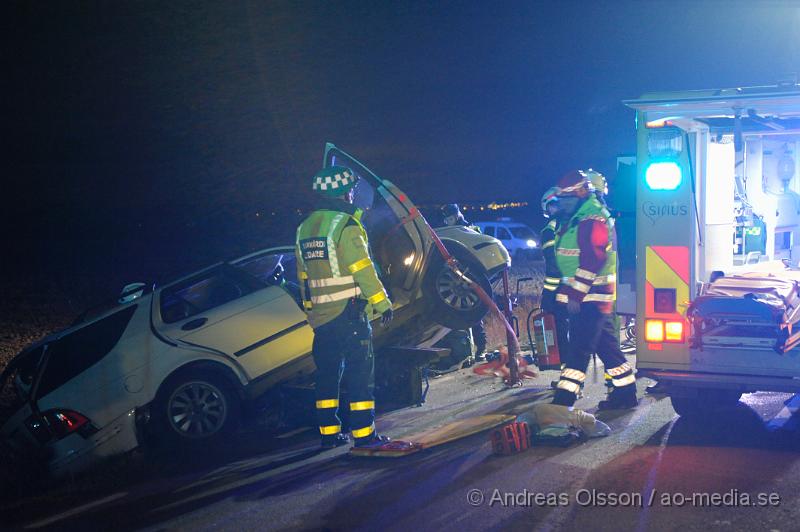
[527,299]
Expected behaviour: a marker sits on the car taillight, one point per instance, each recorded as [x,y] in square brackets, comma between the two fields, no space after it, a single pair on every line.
[63,422]
[657,331]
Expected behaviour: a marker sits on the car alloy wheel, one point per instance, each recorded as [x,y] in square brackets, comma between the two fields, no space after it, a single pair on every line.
[197,409]
[455,291]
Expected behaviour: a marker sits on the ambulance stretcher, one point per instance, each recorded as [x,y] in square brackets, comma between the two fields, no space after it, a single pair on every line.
[755,310]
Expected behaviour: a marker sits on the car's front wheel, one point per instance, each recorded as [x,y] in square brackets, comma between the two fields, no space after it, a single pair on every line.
[451,301]
[195,409]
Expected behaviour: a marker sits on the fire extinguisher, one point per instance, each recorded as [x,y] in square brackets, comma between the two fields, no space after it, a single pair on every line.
[544,339]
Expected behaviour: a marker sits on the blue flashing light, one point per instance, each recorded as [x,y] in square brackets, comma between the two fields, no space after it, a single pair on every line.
[663,175]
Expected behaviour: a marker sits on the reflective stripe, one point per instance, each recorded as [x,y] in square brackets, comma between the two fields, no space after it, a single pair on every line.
[359,265]
[569,386]
[619,370]
[554,280]
[362,405]
[331,281]
[573,374]
[377,298]
[551,287]
[605,279]
[586,274]
[330,430]
[327,403]
[600,297]
[307,305]
[579,286]
[548,244]
[336,296]
[333,259]
[363,433]
[303,275]
[562,298]
[568,252]
[624,381]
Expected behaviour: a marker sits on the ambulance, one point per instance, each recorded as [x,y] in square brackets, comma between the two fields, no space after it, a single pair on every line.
[717,283]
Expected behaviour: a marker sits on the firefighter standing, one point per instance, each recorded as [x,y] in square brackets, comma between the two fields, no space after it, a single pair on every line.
[600,185]
[552,275]
[452,215]
[587,261]
[338,284]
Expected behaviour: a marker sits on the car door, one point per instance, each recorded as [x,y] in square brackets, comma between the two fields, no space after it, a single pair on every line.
[399,236]
[248,309]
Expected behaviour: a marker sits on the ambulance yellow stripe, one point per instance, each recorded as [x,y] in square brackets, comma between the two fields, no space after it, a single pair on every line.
[660,275]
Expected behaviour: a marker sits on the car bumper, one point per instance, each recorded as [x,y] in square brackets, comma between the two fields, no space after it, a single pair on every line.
[745,383]
[74,453]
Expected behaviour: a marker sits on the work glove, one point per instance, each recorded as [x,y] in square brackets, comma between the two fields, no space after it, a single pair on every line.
[573,307]
[386,317]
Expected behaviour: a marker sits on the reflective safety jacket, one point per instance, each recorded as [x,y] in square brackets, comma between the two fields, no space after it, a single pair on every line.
[334,265]
[586,257]
[552,275]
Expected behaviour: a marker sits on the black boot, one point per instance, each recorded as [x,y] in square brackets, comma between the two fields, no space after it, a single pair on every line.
[331,442]
[620,399]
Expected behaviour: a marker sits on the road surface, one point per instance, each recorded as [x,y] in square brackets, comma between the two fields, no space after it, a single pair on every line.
[656,471]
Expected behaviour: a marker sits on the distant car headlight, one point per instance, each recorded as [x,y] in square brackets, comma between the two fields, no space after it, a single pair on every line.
[531,243]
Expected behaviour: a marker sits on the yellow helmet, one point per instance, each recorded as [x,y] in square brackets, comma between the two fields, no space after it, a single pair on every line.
[598,180]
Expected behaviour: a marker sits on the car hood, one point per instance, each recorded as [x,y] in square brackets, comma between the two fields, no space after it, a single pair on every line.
[487,249]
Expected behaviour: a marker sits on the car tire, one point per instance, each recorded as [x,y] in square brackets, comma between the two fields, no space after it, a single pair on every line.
[195,409]
[705,404]
[450,301]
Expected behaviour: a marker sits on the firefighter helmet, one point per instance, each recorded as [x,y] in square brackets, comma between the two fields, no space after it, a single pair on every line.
[550,197]
[575,183]
[334,181]
[598,182]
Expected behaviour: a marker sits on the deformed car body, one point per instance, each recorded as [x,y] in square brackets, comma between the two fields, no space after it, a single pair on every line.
[180,362]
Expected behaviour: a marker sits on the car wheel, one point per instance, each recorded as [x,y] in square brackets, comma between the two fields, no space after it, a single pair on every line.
[451,301]
[196,408]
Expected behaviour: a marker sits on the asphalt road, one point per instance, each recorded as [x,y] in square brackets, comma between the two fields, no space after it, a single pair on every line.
[656,471]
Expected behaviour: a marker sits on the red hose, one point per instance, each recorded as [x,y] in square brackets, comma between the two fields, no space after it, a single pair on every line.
[510,367]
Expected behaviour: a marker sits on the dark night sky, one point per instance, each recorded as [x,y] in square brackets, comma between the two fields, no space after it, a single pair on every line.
[162,113]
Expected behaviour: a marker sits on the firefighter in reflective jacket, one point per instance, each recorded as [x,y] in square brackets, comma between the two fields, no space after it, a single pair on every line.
[600,185]
[340,287]
[552,275]
[587,261]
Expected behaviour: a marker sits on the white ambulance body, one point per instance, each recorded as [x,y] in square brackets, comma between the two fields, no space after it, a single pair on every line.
[718,190]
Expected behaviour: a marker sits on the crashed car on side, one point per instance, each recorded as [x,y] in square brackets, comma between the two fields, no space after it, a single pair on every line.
[181,362]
